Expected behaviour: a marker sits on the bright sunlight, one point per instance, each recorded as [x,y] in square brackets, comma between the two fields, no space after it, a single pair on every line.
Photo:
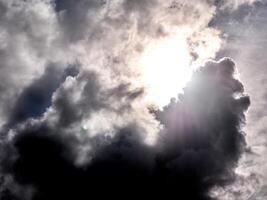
[166,69]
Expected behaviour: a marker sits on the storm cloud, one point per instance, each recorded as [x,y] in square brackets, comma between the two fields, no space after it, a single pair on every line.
[198,147]
[74,121]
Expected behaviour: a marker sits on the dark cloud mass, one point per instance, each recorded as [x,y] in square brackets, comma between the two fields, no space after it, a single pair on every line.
[198,148]
[75,122]
[37,97]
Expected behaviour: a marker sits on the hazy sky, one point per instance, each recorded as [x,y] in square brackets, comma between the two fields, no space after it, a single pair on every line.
[133,99]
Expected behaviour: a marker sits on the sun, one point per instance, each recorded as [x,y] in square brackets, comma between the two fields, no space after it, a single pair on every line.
[166,69]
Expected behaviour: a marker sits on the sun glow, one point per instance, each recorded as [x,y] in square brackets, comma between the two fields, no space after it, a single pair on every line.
[166,69]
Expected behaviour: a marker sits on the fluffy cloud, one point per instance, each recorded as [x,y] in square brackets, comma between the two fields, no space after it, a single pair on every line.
[74,122]
[197,149]
[246,25]
[96,34]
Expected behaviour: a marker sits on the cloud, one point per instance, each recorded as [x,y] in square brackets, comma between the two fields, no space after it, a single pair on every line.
[197,149]
[96,34]
[234,4]
[247,26]
[27,46]
[76,134]
[35,99]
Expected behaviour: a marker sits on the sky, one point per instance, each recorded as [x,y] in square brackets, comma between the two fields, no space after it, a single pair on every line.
[133,99]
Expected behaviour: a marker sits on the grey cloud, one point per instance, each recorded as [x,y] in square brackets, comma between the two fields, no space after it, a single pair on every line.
[236,3]
[36,33]
[246,43]
[77,18]
[87,135]
[25,37]
[84,95]
[36,98]
[198,148]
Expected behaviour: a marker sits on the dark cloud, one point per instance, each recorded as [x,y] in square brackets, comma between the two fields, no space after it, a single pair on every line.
[198,148]
[73,17]
[245,41]
[91,100]
[68,134]
[26,37]
[36,98]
